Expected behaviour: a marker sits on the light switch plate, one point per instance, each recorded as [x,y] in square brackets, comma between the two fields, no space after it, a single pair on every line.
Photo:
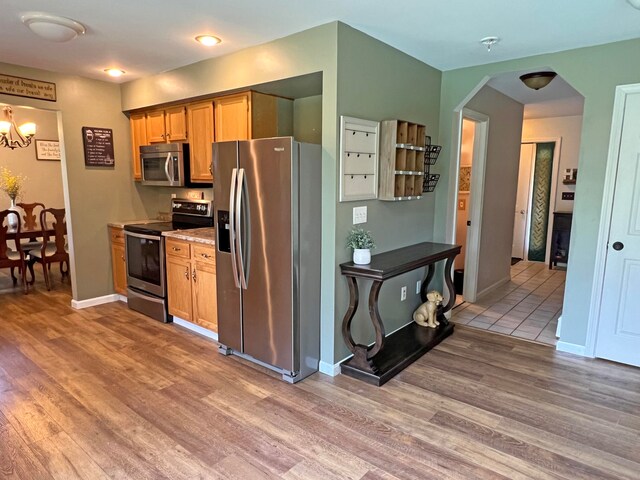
[359,215]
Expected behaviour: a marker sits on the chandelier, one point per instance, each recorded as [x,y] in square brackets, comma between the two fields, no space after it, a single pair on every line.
[8,130]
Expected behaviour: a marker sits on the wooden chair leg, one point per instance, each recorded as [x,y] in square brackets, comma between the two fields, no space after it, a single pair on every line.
[45,270]
[23,271]
[13,276]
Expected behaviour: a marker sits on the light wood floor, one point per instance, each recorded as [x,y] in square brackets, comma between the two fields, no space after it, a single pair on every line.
[107,393]
[526,307]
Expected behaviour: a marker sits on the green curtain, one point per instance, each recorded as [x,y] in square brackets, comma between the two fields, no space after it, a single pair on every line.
[540,201]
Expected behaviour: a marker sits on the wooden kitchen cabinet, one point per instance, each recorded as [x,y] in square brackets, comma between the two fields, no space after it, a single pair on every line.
[252,115]
[191,282]
[118,260]
[138,123]
[167,126]
[201,136]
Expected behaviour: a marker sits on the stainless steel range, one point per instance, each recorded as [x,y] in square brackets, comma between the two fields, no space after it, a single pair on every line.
[146,278]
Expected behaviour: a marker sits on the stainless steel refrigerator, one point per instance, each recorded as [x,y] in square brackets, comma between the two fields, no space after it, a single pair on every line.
[268,227]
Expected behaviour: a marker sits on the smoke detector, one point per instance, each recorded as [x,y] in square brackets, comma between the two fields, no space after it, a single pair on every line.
[52,27]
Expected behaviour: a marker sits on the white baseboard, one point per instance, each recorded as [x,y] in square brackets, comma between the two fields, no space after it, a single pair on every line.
[559,327]
[571,348]
[328,369]
[490,288]
[92,302]
[195,328]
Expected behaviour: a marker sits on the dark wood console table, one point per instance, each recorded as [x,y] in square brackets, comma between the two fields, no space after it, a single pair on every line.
[389,355]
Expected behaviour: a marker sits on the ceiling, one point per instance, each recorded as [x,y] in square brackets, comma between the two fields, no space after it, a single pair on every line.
[144,37]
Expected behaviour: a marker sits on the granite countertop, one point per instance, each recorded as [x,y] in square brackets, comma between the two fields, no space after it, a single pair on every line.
[132,222]
[197,235]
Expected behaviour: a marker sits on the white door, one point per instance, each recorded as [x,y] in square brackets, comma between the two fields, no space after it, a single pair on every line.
[527,151]
[619,327]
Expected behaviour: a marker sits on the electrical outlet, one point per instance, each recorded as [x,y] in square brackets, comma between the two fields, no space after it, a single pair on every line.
[359,215]
[403,294]
[418,285]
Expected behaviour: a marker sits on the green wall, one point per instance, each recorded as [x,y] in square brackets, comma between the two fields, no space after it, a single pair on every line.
[594,72]
[99,195]
[378,82]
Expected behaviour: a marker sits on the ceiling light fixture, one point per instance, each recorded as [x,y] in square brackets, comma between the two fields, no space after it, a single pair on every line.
[114,72]
[634,3]
[53,28]
[538,80]
[208,40]
[24,132]
[489,42]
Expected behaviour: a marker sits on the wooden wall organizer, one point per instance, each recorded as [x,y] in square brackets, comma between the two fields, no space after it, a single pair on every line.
[402,153]
[358,159]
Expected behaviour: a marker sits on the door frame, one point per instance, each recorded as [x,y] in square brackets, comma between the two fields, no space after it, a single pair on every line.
[476,198]
[555,171]
[593,320]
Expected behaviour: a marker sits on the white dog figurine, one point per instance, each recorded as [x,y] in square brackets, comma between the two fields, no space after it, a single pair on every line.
[425,315]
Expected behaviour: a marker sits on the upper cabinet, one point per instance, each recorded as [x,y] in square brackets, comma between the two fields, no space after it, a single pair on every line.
[200,124]
[232,117]
[167,126]
[138,123]
[252,115]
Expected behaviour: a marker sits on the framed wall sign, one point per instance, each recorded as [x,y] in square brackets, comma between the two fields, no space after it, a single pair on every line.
[98,147]
[48,150]
[27,87]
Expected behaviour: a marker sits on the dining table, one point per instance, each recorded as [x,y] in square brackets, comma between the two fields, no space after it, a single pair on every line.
[29,234]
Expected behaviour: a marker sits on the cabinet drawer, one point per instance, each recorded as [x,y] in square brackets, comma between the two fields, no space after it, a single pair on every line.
[116,235]
[204,253]
[177,248]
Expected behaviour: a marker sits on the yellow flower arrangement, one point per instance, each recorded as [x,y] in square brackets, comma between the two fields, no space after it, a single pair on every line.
[11,184]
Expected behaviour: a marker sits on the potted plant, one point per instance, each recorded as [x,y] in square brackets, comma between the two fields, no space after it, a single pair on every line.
[11,185]
[362,242]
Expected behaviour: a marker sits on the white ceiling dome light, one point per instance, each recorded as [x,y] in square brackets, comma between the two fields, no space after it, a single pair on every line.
[53,28]
[634,3]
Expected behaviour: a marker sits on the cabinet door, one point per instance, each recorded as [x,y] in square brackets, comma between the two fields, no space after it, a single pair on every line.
[176,124]
[155,127]
[200,122]
[179,287]
[205,306]
[138,123]
[118,265]
[232,118]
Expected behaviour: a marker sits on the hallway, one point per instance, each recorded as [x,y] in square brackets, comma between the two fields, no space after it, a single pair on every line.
[527,307]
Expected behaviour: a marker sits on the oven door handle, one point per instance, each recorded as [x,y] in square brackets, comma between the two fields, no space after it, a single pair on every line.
[142,235]
[166,169]
[232,232]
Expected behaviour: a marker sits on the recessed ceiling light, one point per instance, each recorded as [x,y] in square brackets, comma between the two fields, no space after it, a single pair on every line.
[489,42]
[208,40]
[114,72]
[51,27]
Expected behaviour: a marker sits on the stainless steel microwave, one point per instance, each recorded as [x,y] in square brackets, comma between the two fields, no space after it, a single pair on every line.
[165,164]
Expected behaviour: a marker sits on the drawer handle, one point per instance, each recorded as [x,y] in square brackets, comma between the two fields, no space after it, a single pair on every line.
[205,255]
[176,249]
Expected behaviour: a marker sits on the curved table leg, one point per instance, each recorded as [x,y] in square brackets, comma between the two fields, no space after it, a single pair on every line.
[448,280]
[427,280]
[362,354]
[351,311]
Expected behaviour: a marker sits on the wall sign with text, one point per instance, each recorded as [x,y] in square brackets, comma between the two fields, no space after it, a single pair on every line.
[27,87]
[47,150]
[98,147]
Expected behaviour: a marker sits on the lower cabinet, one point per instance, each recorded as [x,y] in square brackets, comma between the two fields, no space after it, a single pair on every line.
[118,260]
[191,282]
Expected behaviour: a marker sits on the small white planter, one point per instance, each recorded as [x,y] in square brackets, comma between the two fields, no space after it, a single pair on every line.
[361,256]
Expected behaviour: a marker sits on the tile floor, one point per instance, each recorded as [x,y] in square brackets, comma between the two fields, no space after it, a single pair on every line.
[526,307]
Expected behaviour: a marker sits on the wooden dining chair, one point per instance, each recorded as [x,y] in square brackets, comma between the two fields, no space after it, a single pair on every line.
[54,249]
[12,258]
[31,223]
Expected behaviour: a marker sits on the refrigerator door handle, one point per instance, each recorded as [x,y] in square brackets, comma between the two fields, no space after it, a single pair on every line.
[238,228]
[232,232]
